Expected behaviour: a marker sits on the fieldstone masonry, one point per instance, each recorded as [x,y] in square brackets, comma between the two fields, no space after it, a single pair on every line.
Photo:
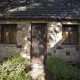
[67,52]
[54,36]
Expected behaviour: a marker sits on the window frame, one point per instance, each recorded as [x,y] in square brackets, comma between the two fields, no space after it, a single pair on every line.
[2,27]
[69,36]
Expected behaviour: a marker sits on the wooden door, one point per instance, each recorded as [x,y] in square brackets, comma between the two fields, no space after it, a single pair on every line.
[38,42]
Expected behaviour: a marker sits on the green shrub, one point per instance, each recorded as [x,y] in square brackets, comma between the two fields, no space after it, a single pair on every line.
[61,70]
[14,69]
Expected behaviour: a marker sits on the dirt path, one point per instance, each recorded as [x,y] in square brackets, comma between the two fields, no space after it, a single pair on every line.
[41,74]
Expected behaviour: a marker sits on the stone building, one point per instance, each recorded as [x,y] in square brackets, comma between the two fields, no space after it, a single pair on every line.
[38,29]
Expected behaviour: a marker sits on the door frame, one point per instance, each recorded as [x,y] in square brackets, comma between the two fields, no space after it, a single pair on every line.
[45,55]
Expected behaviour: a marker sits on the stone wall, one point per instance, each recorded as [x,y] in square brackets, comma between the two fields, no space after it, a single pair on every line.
[23,40]
[54,36]
[55,48]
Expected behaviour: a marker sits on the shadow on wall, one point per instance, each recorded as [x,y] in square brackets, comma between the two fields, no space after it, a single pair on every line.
[55,47]
[68,53]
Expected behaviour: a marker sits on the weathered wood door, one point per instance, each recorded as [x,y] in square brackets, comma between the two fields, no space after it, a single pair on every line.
[38,42]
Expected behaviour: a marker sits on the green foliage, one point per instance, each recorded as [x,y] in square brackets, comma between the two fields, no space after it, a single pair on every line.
[61,70]
[14,69]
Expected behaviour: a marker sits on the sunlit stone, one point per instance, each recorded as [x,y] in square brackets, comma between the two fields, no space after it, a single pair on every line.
[25,55]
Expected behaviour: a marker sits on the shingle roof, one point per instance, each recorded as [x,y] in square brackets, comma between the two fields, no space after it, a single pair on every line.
[56,9]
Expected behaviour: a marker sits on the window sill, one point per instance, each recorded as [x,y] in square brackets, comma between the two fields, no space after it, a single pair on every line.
[70,45]
[8,43]
[14,45]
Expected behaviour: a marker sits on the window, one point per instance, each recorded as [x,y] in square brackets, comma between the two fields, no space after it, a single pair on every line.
[8,33]
[70,35]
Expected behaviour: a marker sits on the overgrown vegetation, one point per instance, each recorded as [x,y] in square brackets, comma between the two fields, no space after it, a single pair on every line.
[62,70]
[14,69]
